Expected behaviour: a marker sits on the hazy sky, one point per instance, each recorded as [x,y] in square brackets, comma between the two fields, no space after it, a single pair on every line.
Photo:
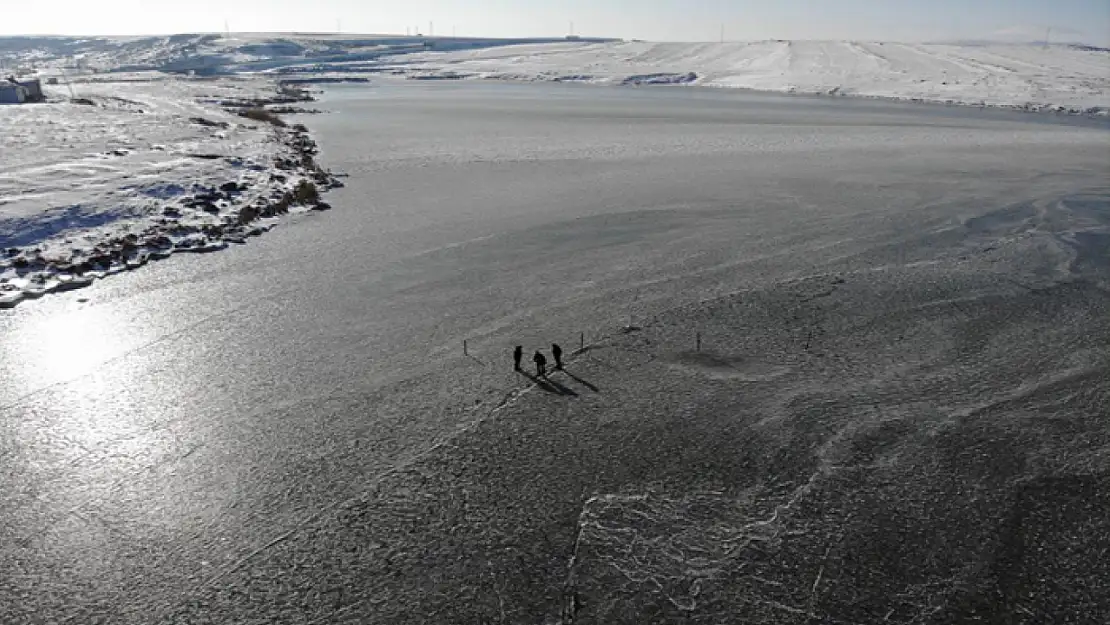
[669,20]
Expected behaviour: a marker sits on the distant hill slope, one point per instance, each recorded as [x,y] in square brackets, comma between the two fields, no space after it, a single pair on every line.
[1064,77]
[217,53]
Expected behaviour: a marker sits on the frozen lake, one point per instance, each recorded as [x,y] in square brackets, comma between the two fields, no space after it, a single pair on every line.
[214,438]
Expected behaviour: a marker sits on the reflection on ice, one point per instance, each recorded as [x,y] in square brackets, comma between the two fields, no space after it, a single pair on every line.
[70,343]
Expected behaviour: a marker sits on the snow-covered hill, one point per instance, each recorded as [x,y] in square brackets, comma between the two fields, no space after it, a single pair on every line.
[1060,77]
[1064,77]
[219,54]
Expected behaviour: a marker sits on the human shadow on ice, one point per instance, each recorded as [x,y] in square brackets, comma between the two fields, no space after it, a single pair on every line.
[580,380]
[549,385]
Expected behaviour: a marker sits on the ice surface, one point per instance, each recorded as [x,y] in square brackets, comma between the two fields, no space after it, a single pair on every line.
[905,333]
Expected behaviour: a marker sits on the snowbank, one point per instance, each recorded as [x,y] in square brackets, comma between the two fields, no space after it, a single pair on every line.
[142,169]
[1063,78]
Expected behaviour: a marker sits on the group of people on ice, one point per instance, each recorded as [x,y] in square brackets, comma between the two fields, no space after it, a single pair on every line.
[539,359]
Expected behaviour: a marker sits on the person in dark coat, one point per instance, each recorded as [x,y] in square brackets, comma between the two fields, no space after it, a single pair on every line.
[541,364]
[518,354]
[557,352]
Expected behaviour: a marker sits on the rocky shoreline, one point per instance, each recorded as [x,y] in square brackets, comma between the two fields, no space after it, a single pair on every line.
[233,211]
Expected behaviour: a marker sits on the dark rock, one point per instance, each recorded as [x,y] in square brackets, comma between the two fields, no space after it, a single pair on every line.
[248,214]
[159,241]
[305,193]
[231,187]
[294,110]
[208,123]
[102,260]
[282,205]
[321,206]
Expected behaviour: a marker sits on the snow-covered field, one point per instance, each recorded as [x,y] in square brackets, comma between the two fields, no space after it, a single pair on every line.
[1058,77]
[146,167]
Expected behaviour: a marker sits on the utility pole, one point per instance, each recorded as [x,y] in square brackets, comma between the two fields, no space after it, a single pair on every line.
[227,30]
[431,29]
[69,85]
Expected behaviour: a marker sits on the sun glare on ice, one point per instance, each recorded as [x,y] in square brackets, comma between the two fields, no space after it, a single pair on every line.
[71,343]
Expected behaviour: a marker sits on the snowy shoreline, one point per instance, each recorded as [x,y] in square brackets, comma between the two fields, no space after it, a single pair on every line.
[142,167]
[1095,114]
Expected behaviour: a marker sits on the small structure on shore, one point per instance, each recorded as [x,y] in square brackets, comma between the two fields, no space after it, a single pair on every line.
[34,90]
[12,92]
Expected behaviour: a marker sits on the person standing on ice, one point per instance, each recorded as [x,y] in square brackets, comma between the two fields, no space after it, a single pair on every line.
[518,354]
[541,364]
[557,352]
